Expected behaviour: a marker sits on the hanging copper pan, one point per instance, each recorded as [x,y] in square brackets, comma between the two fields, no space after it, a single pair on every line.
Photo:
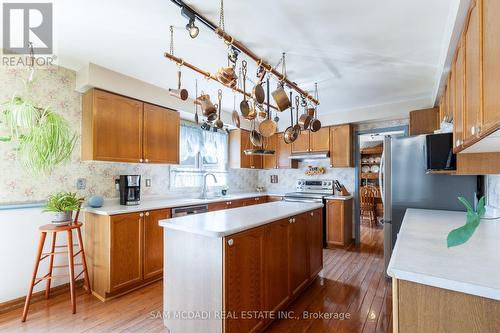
[179,93]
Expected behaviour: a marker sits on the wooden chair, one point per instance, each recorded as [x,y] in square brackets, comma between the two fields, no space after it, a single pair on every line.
[367,195]
[53,230]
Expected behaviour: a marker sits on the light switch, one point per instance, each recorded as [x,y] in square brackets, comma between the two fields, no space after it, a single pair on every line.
[148,182]
[81,183]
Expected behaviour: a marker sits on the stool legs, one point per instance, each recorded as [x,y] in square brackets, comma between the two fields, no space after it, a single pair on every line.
[51,264]
[41,242]
[84,261]
[71,271]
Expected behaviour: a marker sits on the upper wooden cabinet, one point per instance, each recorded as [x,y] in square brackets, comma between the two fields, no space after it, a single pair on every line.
[161,135]
[424,121]
[312,141]
[271,161]
[459,85]
[284,151]
[341,154]
[121,129]
[239,140]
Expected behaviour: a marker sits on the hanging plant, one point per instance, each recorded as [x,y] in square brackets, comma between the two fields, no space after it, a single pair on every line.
[42,138]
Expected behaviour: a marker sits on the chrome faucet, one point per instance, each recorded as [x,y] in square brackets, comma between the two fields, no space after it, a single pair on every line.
[204,190]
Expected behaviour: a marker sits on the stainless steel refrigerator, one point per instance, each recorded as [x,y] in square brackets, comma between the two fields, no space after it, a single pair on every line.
[405,184]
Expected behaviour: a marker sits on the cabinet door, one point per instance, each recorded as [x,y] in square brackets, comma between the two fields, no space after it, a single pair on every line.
[491,64]
[459,85]
[472,105]
[335,222]
[315,241]
[161,135]
[276,272]
[244,279]
[249,161]
[273,198]
[153,242]
[297,246]
[117,128]
[218,205]
[320,140]
[284,150]
[301,145]
[270,161]
[126,249]
[341,146]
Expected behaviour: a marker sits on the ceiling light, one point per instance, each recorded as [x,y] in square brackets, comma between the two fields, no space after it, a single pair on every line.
[193,29]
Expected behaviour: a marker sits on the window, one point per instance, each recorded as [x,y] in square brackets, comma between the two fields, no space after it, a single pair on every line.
[200,152]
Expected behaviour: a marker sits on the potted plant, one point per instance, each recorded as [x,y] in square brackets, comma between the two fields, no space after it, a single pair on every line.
[63,204]
[224,189]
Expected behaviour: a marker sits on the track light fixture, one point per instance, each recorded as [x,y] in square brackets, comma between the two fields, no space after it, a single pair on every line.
[190,27]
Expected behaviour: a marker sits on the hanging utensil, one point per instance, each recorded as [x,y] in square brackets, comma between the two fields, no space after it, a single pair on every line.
[268,127]
[305,119]
[276,118]
[258,91]
[252,113]
[218,123]
[244,105]
[196,119]
[207,107]
[279,95]
[290,134]
[315,123]
[255,137]
[234,115]
[297,126]
[179,93]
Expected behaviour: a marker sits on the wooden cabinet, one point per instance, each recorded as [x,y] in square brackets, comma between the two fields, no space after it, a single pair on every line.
[254,201]
[271,161]
[490,114]
[153,242]
[470,56]
[124,251]
[244,278]
[459,86]
[312,141]
[298,250]
[121,129]
[341,154]
[273,198]
[239,140]
[424,121]
[276,269]
[224,205]
[339,222]
[161,130]
[315,242]
[284,151]
[267,267]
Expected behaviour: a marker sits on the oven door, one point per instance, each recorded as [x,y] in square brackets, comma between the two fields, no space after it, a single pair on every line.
[301,199]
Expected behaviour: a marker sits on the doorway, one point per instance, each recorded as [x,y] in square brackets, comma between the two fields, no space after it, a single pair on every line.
[368,155]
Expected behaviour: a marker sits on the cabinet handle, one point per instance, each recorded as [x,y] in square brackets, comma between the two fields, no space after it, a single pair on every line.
[230,242]
[256,199]
[147,213]
[141,160]
[294,220]
[146,160]
[141,214]
[290,221]
[312,214]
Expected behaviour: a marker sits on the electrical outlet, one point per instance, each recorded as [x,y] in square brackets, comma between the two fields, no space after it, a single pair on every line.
[274,179]
[81,183]
[148,182]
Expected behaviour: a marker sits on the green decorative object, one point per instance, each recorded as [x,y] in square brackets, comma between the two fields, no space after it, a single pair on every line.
[461,235]
[62,205]
[42,138]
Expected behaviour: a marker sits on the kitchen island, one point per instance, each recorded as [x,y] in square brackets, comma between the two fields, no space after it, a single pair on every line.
[441,289]
[233,270]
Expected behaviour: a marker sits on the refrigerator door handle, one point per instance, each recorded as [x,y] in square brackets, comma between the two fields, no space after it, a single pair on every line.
[380,178]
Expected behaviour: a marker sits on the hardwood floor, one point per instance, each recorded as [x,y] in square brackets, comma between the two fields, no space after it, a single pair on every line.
[351,283]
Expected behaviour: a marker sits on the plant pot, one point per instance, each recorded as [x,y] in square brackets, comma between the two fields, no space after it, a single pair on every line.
[224,192]
[62,218]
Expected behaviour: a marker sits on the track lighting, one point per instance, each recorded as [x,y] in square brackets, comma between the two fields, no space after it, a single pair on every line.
[193,29]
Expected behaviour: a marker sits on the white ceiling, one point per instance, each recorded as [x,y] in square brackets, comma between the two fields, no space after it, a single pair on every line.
[372,59]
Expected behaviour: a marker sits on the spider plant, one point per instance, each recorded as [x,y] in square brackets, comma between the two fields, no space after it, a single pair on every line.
[42,137]
[63,202]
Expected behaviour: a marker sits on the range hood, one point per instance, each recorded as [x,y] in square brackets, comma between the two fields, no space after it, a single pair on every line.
[317,155]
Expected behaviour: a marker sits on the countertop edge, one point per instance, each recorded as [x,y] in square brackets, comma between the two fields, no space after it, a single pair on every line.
[135,209]
[165,223]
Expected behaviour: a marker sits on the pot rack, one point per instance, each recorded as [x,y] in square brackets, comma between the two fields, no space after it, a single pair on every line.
[207,75]
[228,39]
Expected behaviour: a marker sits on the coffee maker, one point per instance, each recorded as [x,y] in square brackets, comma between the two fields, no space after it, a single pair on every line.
[130,190]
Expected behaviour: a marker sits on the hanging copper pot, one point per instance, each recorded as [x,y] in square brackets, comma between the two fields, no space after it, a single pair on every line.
[281,98]
[179,93]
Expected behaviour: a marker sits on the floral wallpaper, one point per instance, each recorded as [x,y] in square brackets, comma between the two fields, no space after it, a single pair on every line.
[56,87]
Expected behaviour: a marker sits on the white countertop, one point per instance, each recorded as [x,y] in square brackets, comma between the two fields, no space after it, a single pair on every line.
[226,222]
[339,197]
[422,256]
[113,207]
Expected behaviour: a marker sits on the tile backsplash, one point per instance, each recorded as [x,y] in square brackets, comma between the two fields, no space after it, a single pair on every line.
[493,190]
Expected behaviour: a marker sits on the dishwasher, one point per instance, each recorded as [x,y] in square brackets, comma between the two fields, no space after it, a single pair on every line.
[189,210]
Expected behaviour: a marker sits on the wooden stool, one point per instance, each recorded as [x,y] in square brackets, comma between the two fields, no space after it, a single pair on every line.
[53,230]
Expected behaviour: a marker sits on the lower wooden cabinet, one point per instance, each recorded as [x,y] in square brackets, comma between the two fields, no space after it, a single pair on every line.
[265,268]
[236,203]
[339,222]
[123,251]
